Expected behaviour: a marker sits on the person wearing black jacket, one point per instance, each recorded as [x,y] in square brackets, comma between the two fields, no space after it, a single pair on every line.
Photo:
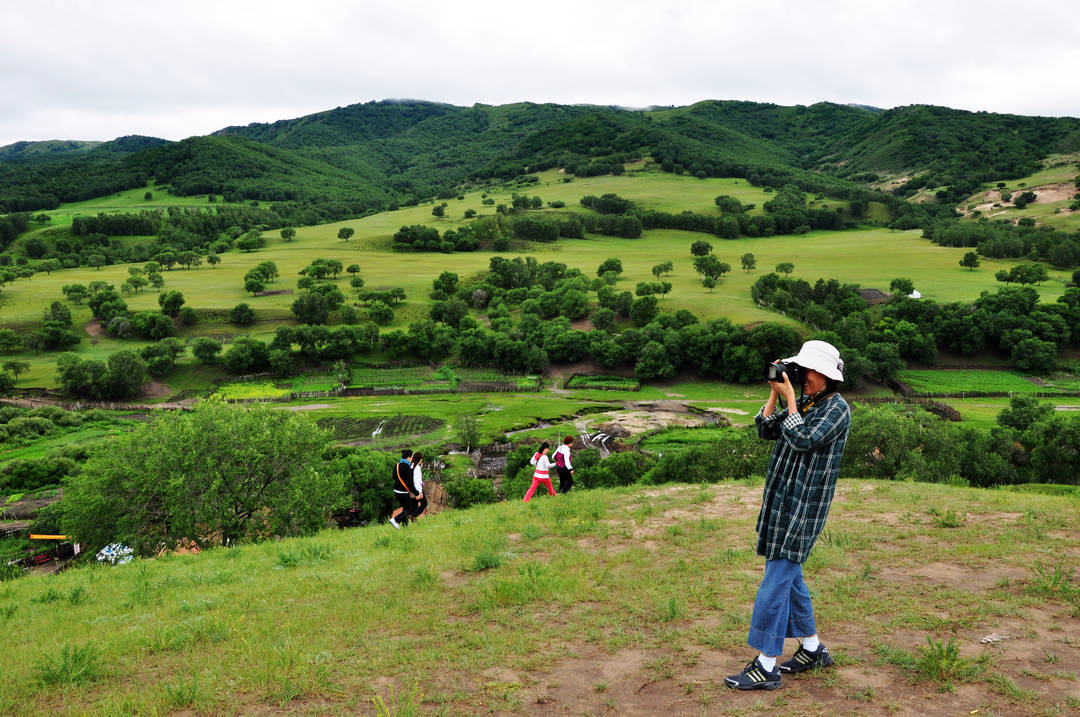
[403,488]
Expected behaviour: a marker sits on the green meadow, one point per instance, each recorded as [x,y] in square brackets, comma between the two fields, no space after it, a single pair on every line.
[870,257]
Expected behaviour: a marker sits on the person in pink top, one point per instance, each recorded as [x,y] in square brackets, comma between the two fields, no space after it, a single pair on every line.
[543,466]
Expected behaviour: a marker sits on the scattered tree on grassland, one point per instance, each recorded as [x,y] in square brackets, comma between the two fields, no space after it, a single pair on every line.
[468,430]
[118,377]
[345,233]
[970,260]
[749,262]
[206,349]
[700,248]
[785,268]
[16,367]
[709,265]
[170,302]
[1023,274]
[902,287]
[613,265]
[242,315]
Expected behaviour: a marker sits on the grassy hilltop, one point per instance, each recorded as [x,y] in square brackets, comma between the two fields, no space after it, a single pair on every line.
[627,601]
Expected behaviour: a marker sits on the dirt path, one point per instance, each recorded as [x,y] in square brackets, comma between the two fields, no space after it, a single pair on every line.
[104,405]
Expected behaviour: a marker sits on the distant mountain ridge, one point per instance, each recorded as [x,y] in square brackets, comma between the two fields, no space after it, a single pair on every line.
[379,154]
[54,148]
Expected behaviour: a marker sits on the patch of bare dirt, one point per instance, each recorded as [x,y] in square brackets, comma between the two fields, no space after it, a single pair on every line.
[155,389]
[27,508]
[582,324]
[641,421]
[94,329]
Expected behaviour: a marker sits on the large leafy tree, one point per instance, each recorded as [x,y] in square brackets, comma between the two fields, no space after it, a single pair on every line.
[217,474]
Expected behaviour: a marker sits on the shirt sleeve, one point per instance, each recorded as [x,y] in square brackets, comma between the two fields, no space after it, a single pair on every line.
[768,427]
[418,479]
[822,428]
[566,450]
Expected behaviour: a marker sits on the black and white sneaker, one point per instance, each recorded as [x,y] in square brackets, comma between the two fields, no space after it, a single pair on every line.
[754,677]
[804,660]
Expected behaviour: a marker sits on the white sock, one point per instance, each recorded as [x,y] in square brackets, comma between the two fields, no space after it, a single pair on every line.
[769,663]
[810,644]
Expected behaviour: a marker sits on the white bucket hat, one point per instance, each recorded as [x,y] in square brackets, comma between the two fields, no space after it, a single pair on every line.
[822,357]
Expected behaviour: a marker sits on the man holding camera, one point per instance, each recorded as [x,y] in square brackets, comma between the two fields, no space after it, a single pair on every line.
[810,434]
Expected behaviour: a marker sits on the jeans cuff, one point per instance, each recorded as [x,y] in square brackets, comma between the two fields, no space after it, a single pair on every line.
[767,643]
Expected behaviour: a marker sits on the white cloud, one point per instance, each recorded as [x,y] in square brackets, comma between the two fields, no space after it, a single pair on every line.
[96,70]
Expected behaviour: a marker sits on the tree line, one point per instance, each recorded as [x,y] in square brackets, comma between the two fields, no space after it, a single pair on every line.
[1011,321]
[1004,240]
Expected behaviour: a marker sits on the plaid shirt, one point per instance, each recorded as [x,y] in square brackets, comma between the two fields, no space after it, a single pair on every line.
[801,477]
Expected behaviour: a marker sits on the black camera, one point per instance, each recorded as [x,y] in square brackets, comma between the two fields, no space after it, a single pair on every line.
[795,373]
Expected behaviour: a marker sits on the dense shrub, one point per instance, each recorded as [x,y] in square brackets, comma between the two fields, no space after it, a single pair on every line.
[739,453]
[615,470]
[217,473]
[366,476]
[466,491]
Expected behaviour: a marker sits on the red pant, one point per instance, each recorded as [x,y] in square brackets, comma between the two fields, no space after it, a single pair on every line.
[536,483]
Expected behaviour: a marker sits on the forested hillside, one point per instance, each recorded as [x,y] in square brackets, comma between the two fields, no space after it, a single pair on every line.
[380,154]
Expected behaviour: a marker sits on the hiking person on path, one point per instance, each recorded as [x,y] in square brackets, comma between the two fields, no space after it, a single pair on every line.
[418,485]
[563,466]
[404,489]
[416,509]
[543,465]
[810,434]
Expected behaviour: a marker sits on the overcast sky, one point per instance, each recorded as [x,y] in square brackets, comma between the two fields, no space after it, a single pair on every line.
[74,69]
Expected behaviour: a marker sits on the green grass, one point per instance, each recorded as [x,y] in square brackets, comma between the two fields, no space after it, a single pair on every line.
[319,382]
[675,439]
[613,588]
[248,390]
[127,201]
[976,381]
[610,383]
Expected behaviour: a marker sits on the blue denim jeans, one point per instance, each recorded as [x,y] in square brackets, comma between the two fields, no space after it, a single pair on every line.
[781,609]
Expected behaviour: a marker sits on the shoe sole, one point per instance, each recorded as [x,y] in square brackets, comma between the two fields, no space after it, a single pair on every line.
[759,686]
[818,665]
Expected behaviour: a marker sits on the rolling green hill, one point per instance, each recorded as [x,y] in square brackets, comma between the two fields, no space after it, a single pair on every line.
[53,149]
[394,152]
